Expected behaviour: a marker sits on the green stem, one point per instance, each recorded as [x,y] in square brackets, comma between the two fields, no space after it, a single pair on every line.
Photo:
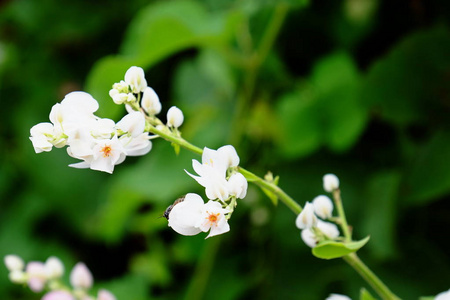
[382,290]
[341,213]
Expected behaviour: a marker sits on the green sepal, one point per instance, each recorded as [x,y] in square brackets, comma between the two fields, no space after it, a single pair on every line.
[365,295]
[333,249]
[176,148]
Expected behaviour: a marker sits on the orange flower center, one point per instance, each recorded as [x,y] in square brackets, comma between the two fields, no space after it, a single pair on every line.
[106,151]
[212,218]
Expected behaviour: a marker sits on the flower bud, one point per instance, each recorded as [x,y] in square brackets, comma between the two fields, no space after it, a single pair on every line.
[330,182]
[135,77]
[174,117]
[329,229]
[105,295]
[150,102]
[307,218]
[323,206]
[37,276]
[338,297]
[54,268]
[309,238]
[58,295]
[230,155]
[81,277]
[18,276]
[14,262]
[238,185]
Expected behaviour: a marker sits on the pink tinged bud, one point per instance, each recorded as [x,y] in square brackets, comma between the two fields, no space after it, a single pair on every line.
[54,268]
[307,218]
[323,206]
[105,295]
[81,277]
[14,263]
[330,182]
[37,276]
[174,117]
[58,295]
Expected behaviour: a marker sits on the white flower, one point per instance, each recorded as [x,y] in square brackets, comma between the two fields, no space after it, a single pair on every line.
[307,218]
[337,297]
[133,123]
[323,206]
[150,102]
[37,276]
[174,117]
[54,267]
[309,237]
[213,218]
[135,77]
[136,146]
[14,263]
[41,137]
[329,229]
[105,295]
[229,154]
[330,182]
[185,215]
[443,296]
[238,185]
[81,277]
[102,128]
[107,154]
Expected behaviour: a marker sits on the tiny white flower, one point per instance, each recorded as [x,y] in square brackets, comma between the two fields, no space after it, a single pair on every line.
[81,277]
[443,296]
[119,98]
[338,297]
[329,229]
[54,268]
[150,102]
[105,295]
[135,77]
[107,154]
[37,276]
[185,215]
[174,117]
[309,238]
[229,154]
[330,182]
[213,219]
[323,206]
[307,218]
[41,137]
[238,185]
[14,263]
[133,123]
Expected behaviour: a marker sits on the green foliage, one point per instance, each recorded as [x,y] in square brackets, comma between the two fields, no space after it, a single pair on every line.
[365,295]
[332,249]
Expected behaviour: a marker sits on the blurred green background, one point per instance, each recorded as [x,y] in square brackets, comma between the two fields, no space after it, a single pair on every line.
[359,88]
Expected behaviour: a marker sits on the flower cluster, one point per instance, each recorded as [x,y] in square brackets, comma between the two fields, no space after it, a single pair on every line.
[310,220]
[223,186]
[100,143]
[46,276]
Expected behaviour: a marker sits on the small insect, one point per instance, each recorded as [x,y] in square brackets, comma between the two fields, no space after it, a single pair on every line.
[169,209]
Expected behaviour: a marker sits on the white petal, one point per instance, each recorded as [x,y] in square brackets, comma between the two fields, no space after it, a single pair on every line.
[81,277]
[185,215]
[330,182]
[338,297]
[54,267]
[323,206]
[174,117]
[230,155]
[309,238]
[133,123]
[150,101]
[14,263]
[238,185]
[136,78]
[307,218]
[329,229]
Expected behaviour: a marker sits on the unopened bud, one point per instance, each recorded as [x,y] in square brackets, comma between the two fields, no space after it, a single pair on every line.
[238,185]
[174,117]
[323,206]
[17,276]
[54,268]
[81,277]
[105,295]
[14,262]
[150,102]
[135,77]
[330,182]
[307,218]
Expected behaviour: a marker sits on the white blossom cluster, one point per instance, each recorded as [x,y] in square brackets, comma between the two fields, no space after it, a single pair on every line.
[310,220]
[217,173]
[47,276]
[100,143]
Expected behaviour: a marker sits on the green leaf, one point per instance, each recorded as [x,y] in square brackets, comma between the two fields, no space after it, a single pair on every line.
[381,200]
[325,111]
[427,298]
[411,79]
[365,295]
[333,249]
[431,158]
